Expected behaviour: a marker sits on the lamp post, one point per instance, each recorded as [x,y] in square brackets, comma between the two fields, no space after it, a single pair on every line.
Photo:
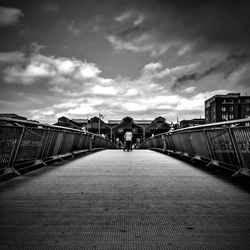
[99,127]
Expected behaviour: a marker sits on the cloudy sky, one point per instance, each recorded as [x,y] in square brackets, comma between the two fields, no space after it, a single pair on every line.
[138,58]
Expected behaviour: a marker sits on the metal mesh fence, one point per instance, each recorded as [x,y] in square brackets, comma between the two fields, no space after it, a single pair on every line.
[20,144]
[200,144]
[227,144]
[242,137]
[222,146]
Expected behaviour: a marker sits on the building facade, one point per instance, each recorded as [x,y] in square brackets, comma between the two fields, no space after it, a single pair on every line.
[115,129]
[191,123]
[66,122]
[228,107]
[13,116]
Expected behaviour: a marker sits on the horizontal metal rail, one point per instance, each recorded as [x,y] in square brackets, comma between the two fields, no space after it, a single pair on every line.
[24,142]
[225,144]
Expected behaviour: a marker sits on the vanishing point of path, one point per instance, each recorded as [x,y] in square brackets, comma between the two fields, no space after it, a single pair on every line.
[123,200]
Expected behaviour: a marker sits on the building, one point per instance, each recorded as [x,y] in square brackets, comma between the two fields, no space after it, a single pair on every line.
[115,129]
[232,106]
[141,129]
[82,122]
[13,116]
[191,123]
[66,122]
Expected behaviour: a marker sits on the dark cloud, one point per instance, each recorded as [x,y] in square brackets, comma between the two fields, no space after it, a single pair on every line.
[131,32]
[184,80]
[226,67]
[244,81]
[50,7]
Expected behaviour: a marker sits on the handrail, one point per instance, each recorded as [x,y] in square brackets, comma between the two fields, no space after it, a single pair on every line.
[215,125]
[24,141]
[40,125]
[226,144]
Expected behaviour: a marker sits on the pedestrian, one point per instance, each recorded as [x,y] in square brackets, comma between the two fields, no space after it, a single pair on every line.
[128,140]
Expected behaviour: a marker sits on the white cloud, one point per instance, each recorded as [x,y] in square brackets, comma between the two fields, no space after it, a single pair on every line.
[88,70]
[184,50]
[65,66]
[190,89]
[134,106]
[82,110]
[9,16]
[139,20]
[123,17]
[72,27]
[151,70]
[100,90]
[57,70]
[132,92]
[197,101]
[17,74]
[130,45]
[74,88]
[143,43]
[66,105]
[152,67]
[48,112]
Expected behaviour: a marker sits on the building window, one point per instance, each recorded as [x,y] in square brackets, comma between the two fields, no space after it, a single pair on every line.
[247,116]
[223,108]
[214,109]
[231,116]
[247,109]
[231,108]
[224,117]
[247,100]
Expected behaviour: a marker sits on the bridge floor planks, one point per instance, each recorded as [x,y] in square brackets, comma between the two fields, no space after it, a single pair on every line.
[123,200]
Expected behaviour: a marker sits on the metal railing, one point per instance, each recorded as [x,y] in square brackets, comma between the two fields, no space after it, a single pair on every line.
[225,144]
[23,142]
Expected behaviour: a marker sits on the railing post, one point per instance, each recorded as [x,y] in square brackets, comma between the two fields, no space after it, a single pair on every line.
[91,142]
[45,143]
[164,143]
[243,168]
[191,142]
[11,164]
[208,144]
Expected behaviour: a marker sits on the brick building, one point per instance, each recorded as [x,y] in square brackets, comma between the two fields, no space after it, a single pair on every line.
[191,123]
[232,106]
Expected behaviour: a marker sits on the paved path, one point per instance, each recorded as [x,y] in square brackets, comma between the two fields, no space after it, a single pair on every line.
[123,200]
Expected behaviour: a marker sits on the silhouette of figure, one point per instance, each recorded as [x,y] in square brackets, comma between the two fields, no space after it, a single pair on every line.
[128,140]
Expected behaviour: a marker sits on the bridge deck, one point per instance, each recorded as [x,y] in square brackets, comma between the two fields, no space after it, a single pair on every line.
[123,200]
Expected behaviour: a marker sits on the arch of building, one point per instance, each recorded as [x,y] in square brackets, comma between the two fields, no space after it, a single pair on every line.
[115,129]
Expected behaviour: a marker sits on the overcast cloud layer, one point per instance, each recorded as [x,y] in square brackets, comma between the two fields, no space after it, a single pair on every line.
[119,58]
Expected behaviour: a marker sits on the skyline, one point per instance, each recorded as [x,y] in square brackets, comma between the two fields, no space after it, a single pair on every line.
[141,59]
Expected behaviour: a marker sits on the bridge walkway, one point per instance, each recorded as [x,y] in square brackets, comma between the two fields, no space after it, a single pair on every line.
[123,200]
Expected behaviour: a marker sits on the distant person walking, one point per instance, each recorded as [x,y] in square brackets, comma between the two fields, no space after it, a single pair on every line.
[128,140]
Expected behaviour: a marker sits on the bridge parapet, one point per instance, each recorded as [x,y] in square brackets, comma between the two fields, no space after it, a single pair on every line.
[226,144]
[24,143]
